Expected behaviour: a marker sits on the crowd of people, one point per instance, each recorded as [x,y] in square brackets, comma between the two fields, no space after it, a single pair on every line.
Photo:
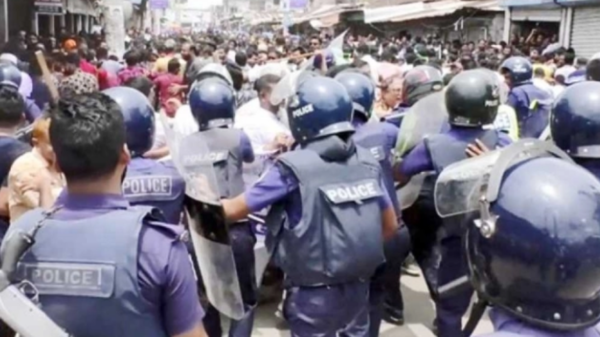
[306,139]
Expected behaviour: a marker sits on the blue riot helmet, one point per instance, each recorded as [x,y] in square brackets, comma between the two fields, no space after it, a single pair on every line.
[533,240]
[320,107]
[10,75]
[575,120]
[361,90]
[139,118]
[212,102]
[473,98]
[518,70]
[540,258]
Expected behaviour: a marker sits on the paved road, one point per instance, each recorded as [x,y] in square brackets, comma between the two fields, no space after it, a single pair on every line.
[419,315]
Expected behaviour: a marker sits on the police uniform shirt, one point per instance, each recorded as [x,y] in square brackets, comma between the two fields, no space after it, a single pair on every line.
[390,131]
[506,325]
[165,274]
[419,159]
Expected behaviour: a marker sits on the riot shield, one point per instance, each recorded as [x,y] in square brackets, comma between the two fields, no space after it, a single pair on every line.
[207,224]
[427,116]
[409,193]
[462,186]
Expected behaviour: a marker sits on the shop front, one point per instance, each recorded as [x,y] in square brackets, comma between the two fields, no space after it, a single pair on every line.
[545,16]
[584,25]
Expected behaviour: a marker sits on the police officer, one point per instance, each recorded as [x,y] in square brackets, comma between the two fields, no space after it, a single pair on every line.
[472,100]
[329,214]
[531,103]
[575,124]
[419,82]
[11,75]
[147,182]
[212,102]
[535,257]
[380,140]
[101,266]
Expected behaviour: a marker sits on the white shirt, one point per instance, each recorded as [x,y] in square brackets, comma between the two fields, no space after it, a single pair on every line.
[542,84]
[565,71]
[261,127]
[160,137]
[184,123]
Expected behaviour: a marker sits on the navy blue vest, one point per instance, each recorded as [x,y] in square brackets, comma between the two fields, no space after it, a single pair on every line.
[86,272]
[339,237]
[155,184]
[446,150]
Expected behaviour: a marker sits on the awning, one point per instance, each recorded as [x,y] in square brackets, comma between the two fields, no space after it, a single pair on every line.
[447,7]
[328,14]
[526,3]
[85,7]
[577,2]
[384,14]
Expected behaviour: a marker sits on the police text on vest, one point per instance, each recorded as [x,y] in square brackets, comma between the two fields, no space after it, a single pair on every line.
[356,192]
[148,186]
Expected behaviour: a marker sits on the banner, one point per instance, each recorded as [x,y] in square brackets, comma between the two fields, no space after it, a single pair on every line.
[49,7]
[159,4]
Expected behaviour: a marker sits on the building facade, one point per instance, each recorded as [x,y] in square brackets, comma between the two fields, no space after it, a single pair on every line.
[576,22]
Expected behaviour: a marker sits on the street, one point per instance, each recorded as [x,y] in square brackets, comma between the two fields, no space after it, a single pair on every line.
[419,315]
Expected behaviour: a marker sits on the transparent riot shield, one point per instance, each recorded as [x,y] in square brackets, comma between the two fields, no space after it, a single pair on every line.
[207,224]
[462,186]
[427,116]
[214,69]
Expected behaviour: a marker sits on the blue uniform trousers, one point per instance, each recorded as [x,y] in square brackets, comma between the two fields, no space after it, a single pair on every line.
[328,311]
[450,309]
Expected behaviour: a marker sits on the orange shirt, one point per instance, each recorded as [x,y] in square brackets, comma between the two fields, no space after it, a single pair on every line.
[24,169]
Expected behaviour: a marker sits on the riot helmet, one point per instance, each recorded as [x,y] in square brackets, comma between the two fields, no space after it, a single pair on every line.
[320,107]
[517,70]
[361,90]
[533,247]
[540,259]
[575,120]
[10,75]
[139,118]
[214,70]
[473,98]
[212,102]
[420,82]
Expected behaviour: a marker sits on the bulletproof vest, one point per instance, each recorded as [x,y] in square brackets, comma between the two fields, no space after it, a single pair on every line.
[338,238]
[86,272]
[155,184]
[534,118]
[372,137]
[446,150]
[224,145]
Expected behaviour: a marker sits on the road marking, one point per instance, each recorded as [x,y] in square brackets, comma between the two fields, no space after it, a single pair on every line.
[420,330]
